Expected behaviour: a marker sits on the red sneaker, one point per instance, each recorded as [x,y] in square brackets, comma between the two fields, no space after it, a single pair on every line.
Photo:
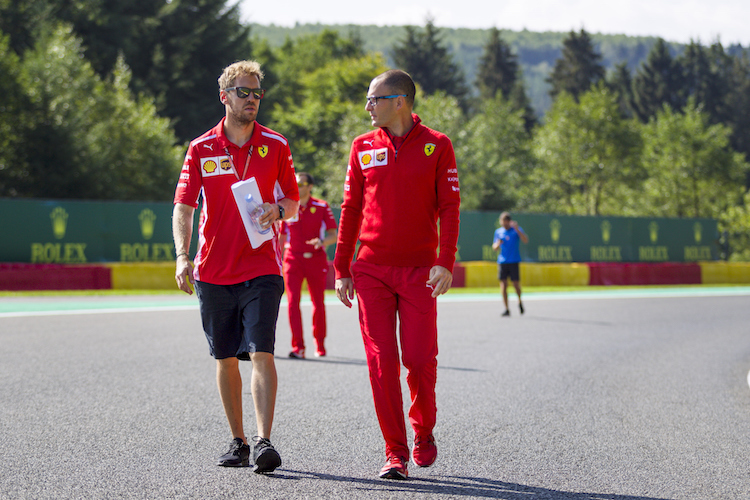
[297,354]
[394,468]
[425,451]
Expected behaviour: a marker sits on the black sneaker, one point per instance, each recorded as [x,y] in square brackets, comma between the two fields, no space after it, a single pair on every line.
[506,313]
[265,456]
[237,456]
[520,306]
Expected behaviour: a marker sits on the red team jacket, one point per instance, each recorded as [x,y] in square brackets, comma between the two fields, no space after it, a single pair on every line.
[225,256]
[393,198]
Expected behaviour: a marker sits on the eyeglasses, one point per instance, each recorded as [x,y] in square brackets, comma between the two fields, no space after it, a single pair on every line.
[373,100]
[244,92]
[303,184]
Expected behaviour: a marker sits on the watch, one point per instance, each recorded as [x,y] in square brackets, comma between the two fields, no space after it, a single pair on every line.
[281,211]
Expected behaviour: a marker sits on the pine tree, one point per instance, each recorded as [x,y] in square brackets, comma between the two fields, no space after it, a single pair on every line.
[498,68]
[657,82]
[423,55]
[578,68]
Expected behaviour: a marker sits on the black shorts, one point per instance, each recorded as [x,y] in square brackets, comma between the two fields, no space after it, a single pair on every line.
[240,319]
[508,270]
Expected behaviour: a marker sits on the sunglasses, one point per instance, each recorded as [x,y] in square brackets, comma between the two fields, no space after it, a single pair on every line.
[373,100]
[303,184]
[244,92]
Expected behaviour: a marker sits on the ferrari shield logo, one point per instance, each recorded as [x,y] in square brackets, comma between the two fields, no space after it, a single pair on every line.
[263,151]
[429,148]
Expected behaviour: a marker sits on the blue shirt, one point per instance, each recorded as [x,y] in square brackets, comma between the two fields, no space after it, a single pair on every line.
[509,249]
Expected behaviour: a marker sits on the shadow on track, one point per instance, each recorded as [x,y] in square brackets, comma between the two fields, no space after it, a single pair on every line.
[473,487]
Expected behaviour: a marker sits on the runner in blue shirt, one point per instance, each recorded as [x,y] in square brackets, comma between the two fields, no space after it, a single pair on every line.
[506,240]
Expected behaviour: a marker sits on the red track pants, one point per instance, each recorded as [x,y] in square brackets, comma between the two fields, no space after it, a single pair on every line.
[383,294]
[296,268]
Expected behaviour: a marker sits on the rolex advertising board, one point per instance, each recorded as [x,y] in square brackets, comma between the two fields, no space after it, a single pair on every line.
[78,232]
[568,238]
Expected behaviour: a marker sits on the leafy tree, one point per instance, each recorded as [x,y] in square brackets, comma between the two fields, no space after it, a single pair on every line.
[578,68]
[738,103]
[425,57]
[735,223]
[13,106]
[87,138]
[493,152]
[590,156]
[176,49]
[657,82]
[692,170]
[319,76]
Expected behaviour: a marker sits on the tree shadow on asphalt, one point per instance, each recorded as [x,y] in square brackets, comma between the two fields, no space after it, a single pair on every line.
[474,487]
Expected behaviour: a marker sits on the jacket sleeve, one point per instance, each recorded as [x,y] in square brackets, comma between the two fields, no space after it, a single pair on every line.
[449,203]
[351,217]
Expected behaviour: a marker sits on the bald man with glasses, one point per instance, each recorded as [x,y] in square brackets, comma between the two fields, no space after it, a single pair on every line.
[401,180]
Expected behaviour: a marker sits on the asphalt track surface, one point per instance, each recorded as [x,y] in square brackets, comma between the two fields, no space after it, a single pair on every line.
[621,396]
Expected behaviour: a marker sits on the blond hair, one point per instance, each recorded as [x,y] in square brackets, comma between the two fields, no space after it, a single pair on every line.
[240,68]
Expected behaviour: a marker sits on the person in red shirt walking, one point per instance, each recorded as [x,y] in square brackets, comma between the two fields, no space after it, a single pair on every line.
[304,239]
[401,179]
[237,270]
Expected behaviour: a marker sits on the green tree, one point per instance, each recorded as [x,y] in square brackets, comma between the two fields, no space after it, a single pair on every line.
[738,103]
[692,170]
[499,71]
[321,78]
[657,82]
[424,55]
[707,74]
[13,106]
[493,152]
[578,68]
[88,138]
[621,83]
[590,156]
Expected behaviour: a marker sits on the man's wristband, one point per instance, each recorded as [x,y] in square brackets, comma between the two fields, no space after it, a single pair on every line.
[181,254]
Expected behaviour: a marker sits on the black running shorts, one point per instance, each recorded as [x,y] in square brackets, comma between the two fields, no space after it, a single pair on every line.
[240,319]
[509,269]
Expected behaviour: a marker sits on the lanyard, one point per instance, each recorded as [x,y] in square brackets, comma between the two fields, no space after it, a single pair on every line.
[247,163]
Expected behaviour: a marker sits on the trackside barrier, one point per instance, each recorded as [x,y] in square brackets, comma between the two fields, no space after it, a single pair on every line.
[476,274]
[725,272]
[22,276]
[484,274]
[143,276]
[635,273]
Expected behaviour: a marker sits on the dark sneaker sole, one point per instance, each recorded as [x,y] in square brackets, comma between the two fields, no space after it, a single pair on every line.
[267,462]
[392,474]
[227,463]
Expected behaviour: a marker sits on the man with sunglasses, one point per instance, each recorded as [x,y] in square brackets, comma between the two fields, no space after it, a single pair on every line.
[400,180]
[238,283]
[304,239]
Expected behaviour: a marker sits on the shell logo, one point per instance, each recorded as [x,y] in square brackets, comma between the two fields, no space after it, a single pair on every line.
[209,166]
[366,159]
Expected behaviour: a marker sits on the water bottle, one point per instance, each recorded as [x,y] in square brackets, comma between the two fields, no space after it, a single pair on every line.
[254,210]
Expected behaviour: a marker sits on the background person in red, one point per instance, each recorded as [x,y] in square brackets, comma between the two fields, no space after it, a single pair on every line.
[239,287]
[400,180]
[304,239]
